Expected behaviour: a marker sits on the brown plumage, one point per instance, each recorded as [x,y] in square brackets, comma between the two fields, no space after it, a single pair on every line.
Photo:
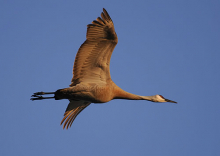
[91,82]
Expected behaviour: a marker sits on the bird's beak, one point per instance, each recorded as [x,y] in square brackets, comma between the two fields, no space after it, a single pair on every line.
[167,100]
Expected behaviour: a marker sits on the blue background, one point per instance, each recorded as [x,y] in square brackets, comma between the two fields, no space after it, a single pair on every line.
[167,47]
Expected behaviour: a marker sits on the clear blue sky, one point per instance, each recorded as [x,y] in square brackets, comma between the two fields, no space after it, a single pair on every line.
[165,47]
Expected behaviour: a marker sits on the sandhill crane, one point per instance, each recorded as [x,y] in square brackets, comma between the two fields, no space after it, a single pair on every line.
[91,82]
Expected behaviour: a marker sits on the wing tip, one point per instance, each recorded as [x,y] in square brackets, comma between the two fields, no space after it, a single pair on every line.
[71,113]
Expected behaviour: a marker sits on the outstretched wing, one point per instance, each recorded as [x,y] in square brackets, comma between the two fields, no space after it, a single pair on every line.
[72,110]
[93,58]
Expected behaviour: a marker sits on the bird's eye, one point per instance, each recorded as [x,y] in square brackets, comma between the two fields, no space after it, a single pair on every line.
[161,96]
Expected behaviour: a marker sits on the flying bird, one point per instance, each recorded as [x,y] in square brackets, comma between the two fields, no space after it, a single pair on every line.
[91,82]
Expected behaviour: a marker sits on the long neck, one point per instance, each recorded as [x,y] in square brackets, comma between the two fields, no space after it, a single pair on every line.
[121,94]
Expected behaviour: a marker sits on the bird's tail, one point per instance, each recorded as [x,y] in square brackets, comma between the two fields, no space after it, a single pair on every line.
[38,96]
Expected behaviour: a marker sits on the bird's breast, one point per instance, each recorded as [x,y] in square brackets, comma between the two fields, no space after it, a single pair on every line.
[102,94]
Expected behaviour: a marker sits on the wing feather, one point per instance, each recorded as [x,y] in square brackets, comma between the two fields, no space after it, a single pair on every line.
[73,109]
[93,57]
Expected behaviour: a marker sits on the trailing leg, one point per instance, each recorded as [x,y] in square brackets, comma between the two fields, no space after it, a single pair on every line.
[38,95]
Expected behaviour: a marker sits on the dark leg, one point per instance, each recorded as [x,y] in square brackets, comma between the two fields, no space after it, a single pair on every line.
[37,95]
[41,93]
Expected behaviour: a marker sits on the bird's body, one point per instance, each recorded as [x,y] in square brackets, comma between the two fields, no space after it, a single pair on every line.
[93,93]
[91,82]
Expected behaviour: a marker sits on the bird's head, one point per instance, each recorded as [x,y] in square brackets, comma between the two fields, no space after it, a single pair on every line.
[157,98]
[160,98]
